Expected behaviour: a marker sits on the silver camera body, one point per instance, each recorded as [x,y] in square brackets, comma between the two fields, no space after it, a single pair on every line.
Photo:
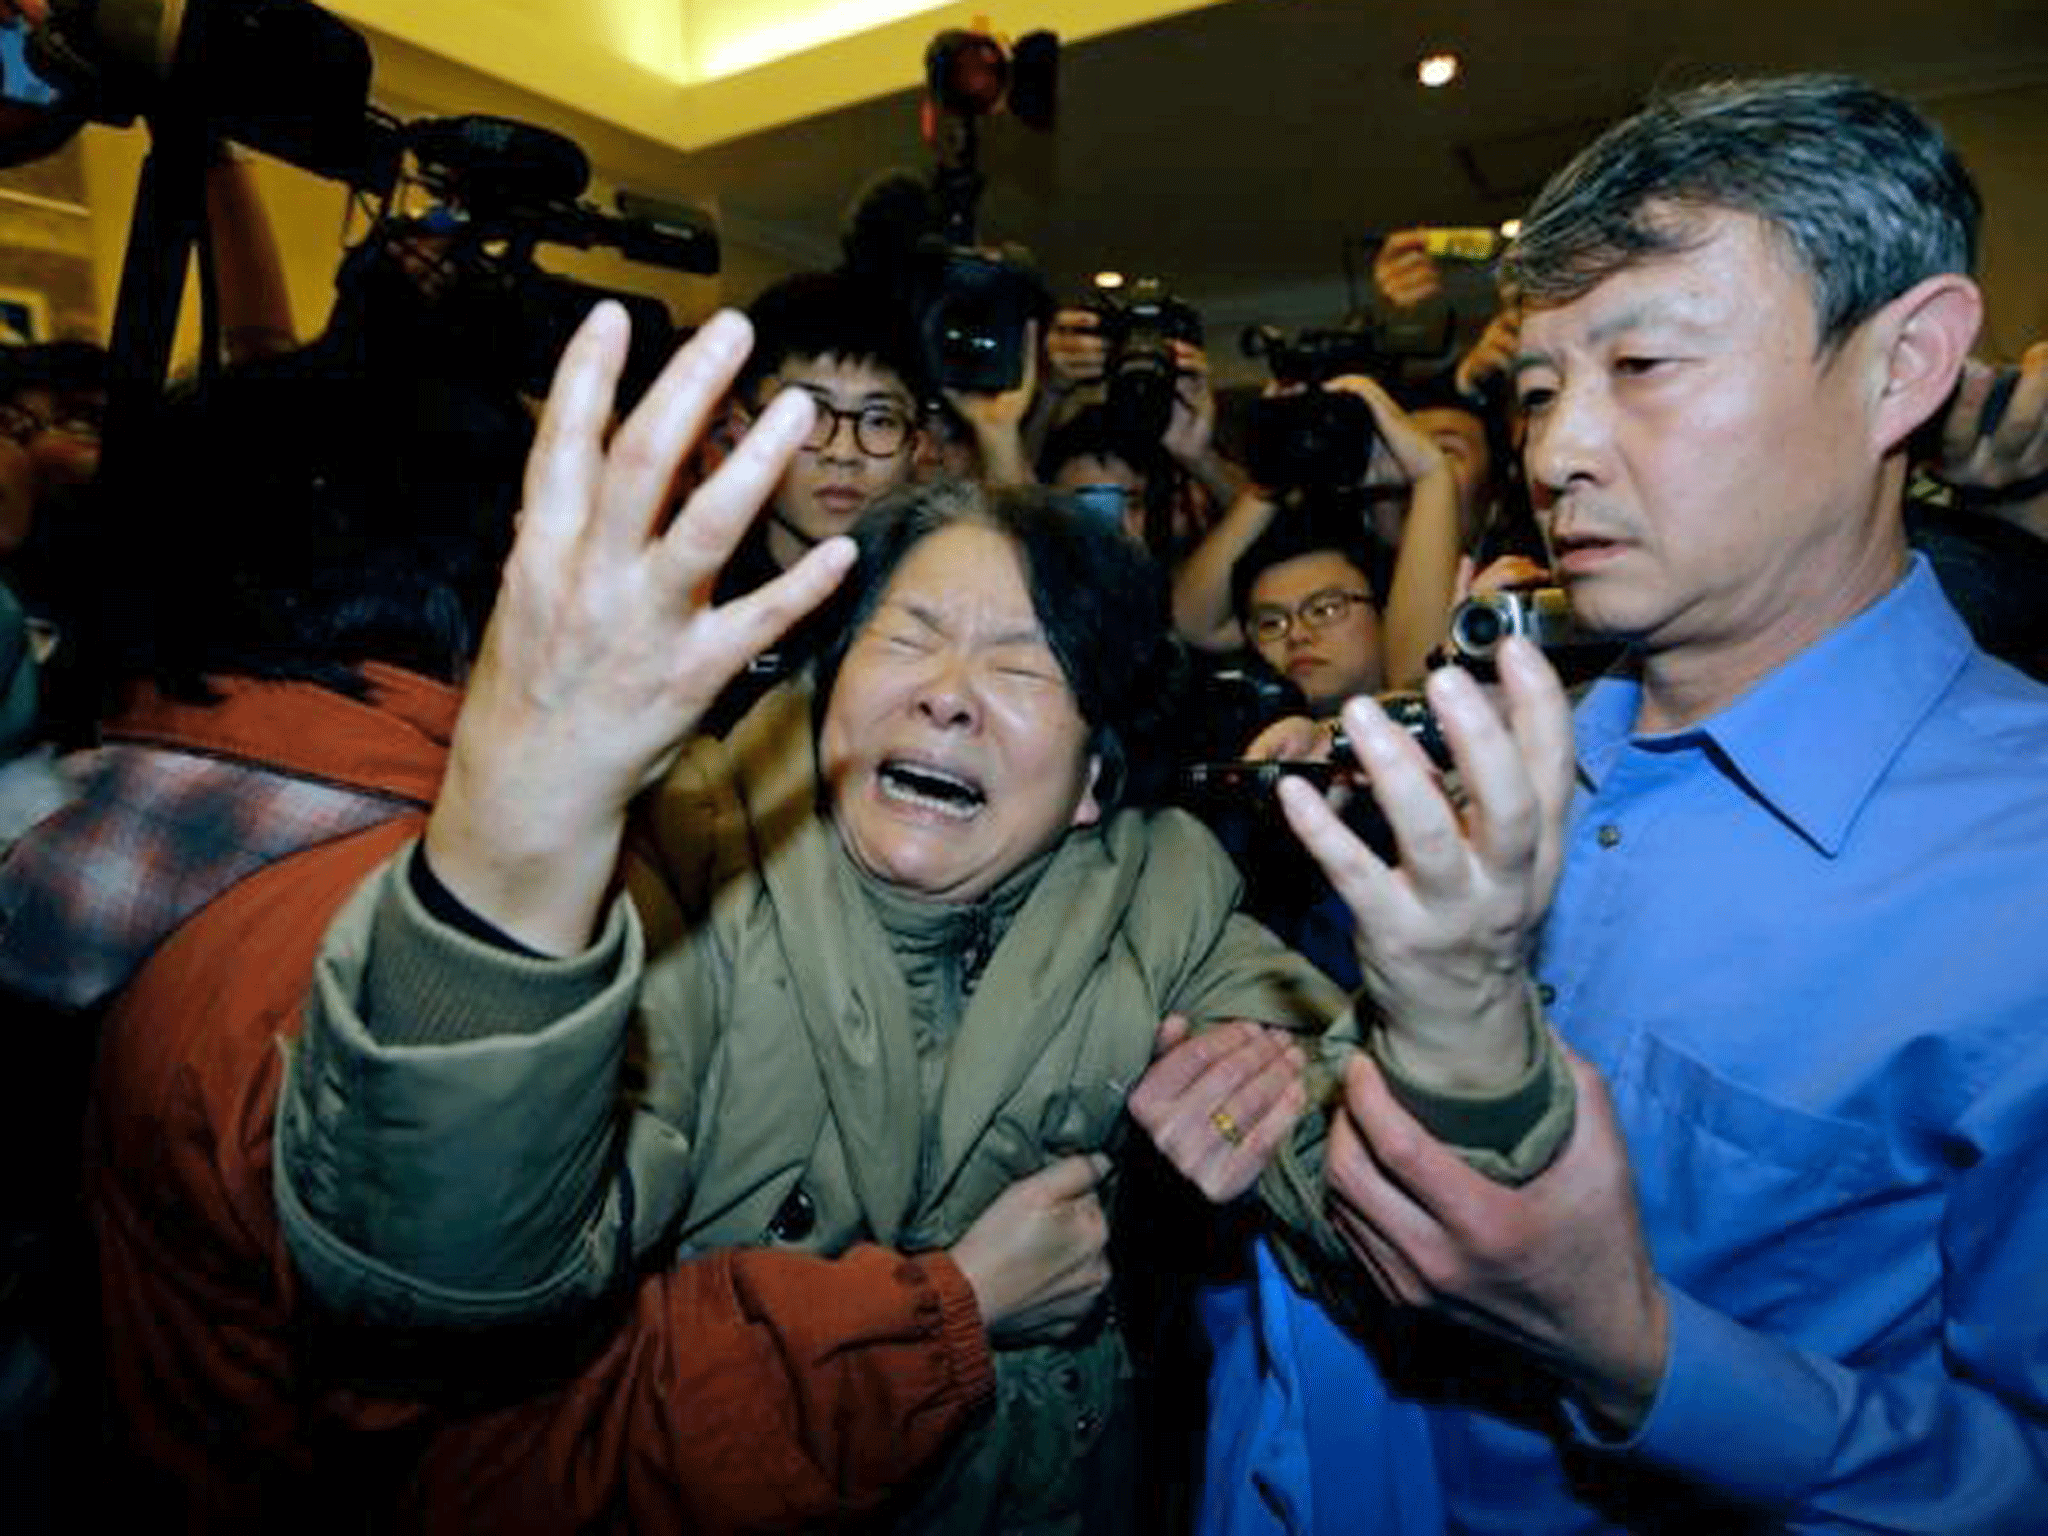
[1542,615]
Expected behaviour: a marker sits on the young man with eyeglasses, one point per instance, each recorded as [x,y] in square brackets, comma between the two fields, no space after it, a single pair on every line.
[849,347]
[1306,595]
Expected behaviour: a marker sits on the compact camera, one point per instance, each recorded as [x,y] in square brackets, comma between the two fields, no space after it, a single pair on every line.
[1478,627]
[1464,244]
[1480,624]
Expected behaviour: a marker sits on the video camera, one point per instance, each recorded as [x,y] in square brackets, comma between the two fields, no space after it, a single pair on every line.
[287,78]
[452,291]
[457,285]
[1479,627]
[281,76]
[969,308]
[1311,436]
[970,305]
[1140,324]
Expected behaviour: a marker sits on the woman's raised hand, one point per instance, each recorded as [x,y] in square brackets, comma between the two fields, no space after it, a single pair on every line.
[605,649]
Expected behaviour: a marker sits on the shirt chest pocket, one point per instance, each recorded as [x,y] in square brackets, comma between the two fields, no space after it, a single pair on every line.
[1770,1212]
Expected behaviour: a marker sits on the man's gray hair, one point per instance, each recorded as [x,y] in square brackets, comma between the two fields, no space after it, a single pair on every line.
[1866,194]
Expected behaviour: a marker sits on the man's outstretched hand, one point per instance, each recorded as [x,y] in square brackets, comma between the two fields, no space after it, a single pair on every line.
[1444,935]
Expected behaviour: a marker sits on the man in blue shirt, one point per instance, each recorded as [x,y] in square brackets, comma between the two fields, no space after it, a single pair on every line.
[1788,1271]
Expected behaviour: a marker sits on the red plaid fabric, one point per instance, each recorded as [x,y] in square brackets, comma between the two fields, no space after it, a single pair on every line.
[153,835]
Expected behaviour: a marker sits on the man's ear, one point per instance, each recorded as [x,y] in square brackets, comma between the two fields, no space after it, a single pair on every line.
[1924,337]
[1088,810]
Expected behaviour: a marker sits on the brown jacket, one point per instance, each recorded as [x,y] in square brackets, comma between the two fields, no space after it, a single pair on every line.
[743,1390]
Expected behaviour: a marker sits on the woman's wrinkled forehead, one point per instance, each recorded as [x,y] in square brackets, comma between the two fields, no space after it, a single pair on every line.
[941,566]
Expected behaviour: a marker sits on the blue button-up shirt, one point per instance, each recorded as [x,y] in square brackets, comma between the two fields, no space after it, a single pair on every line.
[1806,942]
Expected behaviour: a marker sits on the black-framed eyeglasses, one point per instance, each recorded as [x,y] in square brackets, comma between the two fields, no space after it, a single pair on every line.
[1317,611]
[23,424]
[879,430]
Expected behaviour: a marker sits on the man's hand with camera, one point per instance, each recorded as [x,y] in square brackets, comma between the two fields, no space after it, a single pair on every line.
[1444,934]
[1403,454]
[1404,272]
[1558,1264]
[1426,535]
[1483,370]
[1190,435]
[1076,352]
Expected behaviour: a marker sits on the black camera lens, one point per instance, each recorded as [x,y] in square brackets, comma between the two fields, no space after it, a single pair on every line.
[1310,439]
[965,342]
[1480,629]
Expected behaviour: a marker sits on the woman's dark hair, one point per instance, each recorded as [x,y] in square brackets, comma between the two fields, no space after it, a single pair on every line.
[1100,600]
[343,518]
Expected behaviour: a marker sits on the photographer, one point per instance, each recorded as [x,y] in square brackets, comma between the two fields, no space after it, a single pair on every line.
[1088,455]
[1072,378]
[1306,596]
[843,342]
[1085,455]
[1406,461]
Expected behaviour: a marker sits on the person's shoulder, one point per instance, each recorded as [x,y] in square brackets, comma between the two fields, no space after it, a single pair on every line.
[1167,838]
[1973,775]
[195,1033]
[1173,876]
[1997,713]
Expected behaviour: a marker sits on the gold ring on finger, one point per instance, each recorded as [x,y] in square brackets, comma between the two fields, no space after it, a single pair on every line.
[1226,1126]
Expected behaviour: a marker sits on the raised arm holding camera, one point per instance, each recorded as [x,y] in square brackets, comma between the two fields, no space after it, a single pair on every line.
[1394,456]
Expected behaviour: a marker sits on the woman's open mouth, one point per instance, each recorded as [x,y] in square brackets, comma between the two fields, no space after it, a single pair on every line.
[927,787]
